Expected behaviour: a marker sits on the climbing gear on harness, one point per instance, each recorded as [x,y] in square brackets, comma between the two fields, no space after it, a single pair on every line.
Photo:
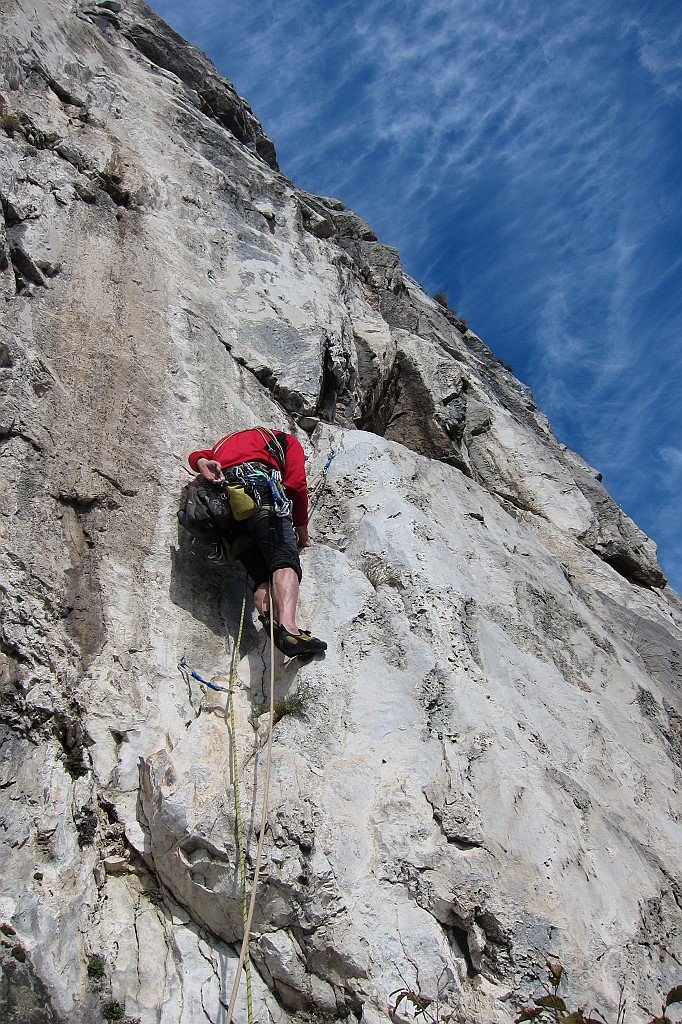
[209,509]
[281,504]
[252,486]
[255,473]
[297,646]
[241,491]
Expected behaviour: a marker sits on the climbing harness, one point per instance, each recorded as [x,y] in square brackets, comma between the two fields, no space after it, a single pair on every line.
[243,487]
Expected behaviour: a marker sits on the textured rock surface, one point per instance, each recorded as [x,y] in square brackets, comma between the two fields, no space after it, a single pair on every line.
[488,761]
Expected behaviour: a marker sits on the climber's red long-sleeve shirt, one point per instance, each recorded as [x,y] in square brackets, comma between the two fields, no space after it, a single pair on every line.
[250,446]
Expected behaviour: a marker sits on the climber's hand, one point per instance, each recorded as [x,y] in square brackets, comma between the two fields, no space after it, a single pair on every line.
[210,469]
[303,537]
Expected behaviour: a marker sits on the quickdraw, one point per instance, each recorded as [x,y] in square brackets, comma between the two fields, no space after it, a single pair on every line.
[188,672]
[318,484]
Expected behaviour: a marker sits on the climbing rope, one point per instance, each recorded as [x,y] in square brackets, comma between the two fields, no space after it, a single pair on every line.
[314,494]
[244,952]
[247,915]
[237,807]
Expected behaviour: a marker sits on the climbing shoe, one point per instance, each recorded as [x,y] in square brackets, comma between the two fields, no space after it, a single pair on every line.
[297,646]
[265,622]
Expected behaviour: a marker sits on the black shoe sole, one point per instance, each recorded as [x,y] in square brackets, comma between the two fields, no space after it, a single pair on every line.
[300,646]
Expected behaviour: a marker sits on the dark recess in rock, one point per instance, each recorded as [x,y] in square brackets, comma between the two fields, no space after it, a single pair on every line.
[404,411]
[23,997]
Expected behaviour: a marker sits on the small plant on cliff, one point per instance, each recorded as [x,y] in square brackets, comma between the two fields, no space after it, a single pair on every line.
[506,366]
[95,967]
[291,704]
[549,1008]
[112,1011]
[552,1009]
[452,314]
[421,1007]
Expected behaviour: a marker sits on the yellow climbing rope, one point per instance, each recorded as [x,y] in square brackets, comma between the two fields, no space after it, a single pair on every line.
[244,955]
[237,807]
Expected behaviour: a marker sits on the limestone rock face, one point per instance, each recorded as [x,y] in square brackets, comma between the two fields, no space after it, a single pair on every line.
[485,768]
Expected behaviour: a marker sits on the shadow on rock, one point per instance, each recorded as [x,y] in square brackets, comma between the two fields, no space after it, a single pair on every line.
[210,591]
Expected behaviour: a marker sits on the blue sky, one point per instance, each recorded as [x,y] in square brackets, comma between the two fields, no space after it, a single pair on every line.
[525,158]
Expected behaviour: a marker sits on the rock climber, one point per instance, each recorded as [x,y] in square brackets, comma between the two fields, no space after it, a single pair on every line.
[268,541]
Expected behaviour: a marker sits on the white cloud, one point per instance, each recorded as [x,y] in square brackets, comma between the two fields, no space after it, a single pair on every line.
[672,459]
[660,49]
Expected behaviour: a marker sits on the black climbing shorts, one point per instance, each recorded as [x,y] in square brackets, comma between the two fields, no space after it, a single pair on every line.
[269,544]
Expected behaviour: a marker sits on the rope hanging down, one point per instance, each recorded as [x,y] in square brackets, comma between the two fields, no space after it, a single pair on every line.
[244,962]
[247,927]
[237,808]
[314,495]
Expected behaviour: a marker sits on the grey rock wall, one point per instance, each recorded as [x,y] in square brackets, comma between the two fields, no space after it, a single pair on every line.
[487,764]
